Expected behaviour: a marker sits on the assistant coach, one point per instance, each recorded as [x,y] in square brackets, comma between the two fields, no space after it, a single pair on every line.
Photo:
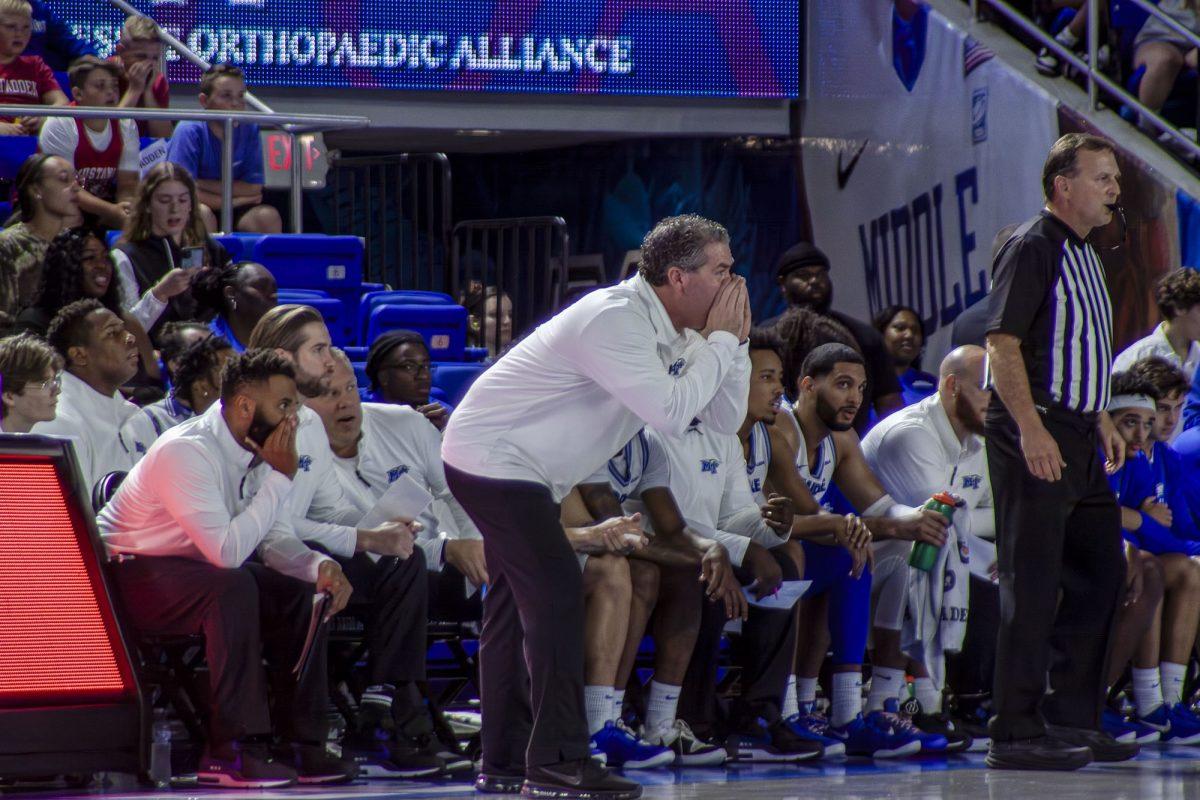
[661,349]
[1058,528]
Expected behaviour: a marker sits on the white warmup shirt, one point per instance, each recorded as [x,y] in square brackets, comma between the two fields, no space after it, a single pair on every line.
[93,422]
[195,495]
[397,440]
[559,404]
[1156,344]
[322,511]
[915,454]
[152,421]
[707,476]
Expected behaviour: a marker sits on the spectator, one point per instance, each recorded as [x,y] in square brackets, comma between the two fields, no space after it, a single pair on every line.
[904,337]
[196,385]
[1163,53]
[1073,36]
[100,356]
[239,294]
[143,81]
[29,383]
[161,230]
[103,152]
[47,196]
[489,318]
[24,80]
[54,40]
[803,276]
[207,497]
[196,146]
[1175,339]
[400,371]
[175,337]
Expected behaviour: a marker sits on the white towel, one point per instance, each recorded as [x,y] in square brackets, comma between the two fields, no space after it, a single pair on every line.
[937,604]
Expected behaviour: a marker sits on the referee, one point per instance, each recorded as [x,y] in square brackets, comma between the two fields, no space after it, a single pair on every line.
[663,348]
[1058,529]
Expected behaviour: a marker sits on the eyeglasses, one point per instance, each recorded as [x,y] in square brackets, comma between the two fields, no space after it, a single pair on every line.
[45,386]
[413,368]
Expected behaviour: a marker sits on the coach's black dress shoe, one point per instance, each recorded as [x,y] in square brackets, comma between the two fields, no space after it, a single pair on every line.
[1043,753]
[583,779]
[500,780]
[1103,746]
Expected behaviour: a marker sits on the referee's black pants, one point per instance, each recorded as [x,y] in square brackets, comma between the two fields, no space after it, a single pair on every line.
[532,617]
[1054,540]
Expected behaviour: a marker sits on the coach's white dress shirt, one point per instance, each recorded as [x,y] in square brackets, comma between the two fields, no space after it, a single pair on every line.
[564,400]
[198,494]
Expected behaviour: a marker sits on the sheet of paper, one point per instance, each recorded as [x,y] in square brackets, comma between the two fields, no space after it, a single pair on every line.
[404,499]
[782,598]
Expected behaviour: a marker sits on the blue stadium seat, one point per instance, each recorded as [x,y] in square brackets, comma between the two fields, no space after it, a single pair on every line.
[316,261]
[64,83]
[373,299]
[357,354]
[13,152]
[444,327]
[239,245]
[110,238]
[298,294]
[455,377]
[360,374]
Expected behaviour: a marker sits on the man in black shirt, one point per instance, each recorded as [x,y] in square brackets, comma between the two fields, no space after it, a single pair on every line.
[1058,530]
[803,276]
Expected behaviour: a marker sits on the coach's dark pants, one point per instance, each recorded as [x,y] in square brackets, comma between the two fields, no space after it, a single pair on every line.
[532,616]
[764,652]
[1053,539]
[392,594]
[245,614]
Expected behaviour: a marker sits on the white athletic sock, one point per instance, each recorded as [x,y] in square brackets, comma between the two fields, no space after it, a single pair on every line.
[1172,682]
[618,703]
[927,695]
[847,697]
[598,702]
[806,691]
[1066,38]
[1147,690]
[886,684]
[790,707]
[661,707]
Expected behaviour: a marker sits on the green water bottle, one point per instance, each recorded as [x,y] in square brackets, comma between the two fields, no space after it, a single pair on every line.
[924,555]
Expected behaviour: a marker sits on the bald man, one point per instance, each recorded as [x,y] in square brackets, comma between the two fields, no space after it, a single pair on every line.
[933,446]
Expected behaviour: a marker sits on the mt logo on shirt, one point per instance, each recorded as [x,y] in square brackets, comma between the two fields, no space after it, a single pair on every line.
[709,465]
[395,472]
[972,481]
[675,369]
[305,463]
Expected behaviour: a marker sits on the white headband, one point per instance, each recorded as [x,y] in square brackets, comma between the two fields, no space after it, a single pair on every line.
[1132,401]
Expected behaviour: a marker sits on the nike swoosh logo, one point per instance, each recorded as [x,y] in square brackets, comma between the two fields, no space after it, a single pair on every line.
[843,175]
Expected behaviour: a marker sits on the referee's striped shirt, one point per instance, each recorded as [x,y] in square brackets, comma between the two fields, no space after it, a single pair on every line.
[1049,290]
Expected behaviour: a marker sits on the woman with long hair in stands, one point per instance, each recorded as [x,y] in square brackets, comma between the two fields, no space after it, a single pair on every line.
[78,267]
[237,295]
[162,229]
[47,201]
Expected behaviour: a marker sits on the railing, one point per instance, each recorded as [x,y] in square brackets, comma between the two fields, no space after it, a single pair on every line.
[298,123]
[401,206]
[524,257]
[1097,80]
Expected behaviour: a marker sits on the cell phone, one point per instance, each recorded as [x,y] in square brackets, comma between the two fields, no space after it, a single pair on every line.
[193,258]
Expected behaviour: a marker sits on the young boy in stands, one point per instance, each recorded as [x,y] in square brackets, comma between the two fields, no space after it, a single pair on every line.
[104,152]
[143,82]
[24,80]
[196,146]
